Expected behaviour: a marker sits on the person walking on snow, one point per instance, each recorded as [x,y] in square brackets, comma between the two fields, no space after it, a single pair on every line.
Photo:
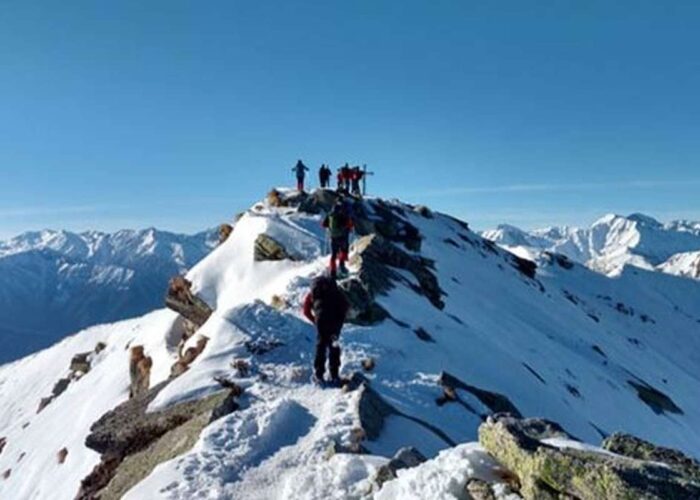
[300,169]
[324,176]
[326,307]
[339,224]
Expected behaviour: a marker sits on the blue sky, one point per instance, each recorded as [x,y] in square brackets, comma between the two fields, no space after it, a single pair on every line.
[180,114]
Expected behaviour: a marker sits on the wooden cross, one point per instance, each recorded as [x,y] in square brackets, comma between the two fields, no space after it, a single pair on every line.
[364,179]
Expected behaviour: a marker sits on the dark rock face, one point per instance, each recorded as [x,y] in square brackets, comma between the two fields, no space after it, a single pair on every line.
[267,248]
[363,309]
[634,447]
[376,256]
[548,472]
[497,403]
[403,459]
[654,399]
[80,362]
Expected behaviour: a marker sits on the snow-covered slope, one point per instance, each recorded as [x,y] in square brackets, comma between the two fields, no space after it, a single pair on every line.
[611,243]
[594,353]
[53,283]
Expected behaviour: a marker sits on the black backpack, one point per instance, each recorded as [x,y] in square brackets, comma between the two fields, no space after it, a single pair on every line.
[329,302]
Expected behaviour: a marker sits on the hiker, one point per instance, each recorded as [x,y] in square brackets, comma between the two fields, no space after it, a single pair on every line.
[300,169]
[344,175]
[326,307]
[339,224]
[356,176]
[324,176]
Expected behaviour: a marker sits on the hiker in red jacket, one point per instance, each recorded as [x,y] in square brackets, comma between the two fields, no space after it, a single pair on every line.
[326,307]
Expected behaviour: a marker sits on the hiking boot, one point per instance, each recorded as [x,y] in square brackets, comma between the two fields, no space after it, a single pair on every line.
[335,383]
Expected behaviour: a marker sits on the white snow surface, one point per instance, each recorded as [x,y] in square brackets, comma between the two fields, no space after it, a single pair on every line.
[611,243]
[570,345]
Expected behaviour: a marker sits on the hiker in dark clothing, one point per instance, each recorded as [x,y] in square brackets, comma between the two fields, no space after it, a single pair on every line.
[339,224]
[356,176]
[324,176]
[345,175]
[326,307]
[300,169]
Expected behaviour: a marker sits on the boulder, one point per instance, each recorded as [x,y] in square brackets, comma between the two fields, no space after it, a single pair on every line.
[225,231]
[405,458]
[634,447]
[61,455]
[60,386]
[547,472]
[363,309]
[80,362]
[133,442]
[180,299]
[267,248]
[321,201]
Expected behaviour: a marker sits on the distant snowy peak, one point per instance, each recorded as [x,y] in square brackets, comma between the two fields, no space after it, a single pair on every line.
[121,247]
[612,242]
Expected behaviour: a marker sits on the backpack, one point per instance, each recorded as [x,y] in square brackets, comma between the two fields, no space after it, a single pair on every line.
[329,302]
[337,223]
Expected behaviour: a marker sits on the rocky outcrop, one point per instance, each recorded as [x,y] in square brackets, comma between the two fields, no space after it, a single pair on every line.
[497,403]
[268,248]
[377,258]
[403,459]
[547,472]
[634,447]
[133,441]
[186,358]
[139,371]
[225,231]
[363,308]
[80,362]
[61,456]
[180,299]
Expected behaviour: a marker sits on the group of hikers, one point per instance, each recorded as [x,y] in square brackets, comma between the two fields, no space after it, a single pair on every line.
[325,305]
[348,178]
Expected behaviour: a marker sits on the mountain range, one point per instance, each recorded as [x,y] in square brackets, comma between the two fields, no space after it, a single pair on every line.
[611,243]
[53,283]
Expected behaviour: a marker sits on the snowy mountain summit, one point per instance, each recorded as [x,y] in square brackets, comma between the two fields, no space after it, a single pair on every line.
[613,242]
[450,340]
[54,283]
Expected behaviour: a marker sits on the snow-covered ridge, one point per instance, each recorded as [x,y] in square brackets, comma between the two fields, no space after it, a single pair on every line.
[53,283]
[593,353]
[612,242]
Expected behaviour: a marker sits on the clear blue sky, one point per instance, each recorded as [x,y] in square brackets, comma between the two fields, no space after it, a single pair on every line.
[179,114]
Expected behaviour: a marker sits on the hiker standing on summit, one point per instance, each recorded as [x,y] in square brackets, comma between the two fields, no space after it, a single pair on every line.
[339,224]
[326,307]
[324,176]
[300,169]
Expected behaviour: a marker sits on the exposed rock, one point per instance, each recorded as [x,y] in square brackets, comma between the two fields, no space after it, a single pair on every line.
[497,403]
[279,303]
[405,458]
[180,299]
[363,309]
[133,442]
[375,256]
[43,403]
[548,472]
[279,199]
[6,474]
[262,346]
[139,371]
[319,202]
[378,217]
[99,347]
[241,366]
[267,248]
[634,447]
[654,399]
[225,231]
[479,490]
[61,455]
[60,386]
[3,443]
[80,362]
[368,364]
[423,335]
[423,211]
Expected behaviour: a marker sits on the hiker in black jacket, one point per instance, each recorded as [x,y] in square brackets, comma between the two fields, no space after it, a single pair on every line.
[324,176]
[326,307]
